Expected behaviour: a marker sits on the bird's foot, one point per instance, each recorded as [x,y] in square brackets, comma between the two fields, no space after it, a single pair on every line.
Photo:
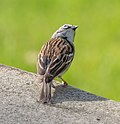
[65,84]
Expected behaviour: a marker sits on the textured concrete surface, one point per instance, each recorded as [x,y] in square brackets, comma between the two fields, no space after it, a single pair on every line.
[19,93]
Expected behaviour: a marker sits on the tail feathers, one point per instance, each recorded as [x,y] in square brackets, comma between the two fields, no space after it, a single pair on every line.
[45,95]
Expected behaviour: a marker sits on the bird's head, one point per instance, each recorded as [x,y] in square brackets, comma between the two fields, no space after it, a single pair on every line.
[66,31]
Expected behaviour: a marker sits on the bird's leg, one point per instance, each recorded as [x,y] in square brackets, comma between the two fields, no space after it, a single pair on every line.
[65,84]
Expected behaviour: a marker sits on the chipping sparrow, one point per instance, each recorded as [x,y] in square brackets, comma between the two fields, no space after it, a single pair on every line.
[55,58]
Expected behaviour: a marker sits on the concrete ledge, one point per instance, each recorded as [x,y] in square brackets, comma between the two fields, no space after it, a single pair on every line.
[18,94]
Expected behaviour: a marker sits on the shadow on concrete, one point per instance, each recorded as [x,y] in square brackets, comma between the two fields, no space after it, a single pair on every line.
[69,93]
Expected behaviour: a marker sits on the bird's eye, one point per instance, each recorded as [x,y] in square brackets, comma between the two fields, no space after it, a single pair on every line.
[66,26]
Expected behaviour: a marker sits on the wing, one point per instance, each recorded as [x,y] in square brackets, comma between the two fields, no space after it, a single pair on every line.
[55,58]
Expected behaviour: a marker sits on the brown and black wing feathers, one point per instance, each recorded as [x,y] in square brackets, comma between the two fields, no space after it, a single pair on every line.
[54,58]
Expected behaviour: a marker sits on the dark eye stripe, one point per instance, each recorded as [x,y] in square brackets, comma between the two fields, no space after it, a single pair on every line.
[67,26]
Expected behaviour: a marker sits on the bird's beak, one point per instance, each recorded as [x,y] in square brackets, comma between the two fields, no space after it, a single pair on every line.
[74,27]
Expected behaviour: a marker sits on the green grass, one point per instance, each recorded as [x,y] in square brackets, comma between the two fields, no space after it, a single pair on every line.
[25,25]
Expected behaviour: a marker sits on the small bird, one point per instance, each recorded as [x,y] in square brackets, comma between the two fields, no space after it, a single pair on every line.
[55,58]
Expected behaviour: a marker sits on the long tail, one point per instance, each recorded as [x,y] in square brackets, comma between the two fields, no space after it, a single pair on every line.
[45,95]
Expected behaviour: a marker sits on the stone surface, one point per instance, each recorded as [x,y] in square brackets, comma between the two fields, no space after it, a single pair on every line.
[18,103]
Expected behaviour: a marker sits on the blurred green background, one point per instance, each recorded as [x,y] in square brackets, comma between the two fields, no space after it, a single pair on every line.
[25,25]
